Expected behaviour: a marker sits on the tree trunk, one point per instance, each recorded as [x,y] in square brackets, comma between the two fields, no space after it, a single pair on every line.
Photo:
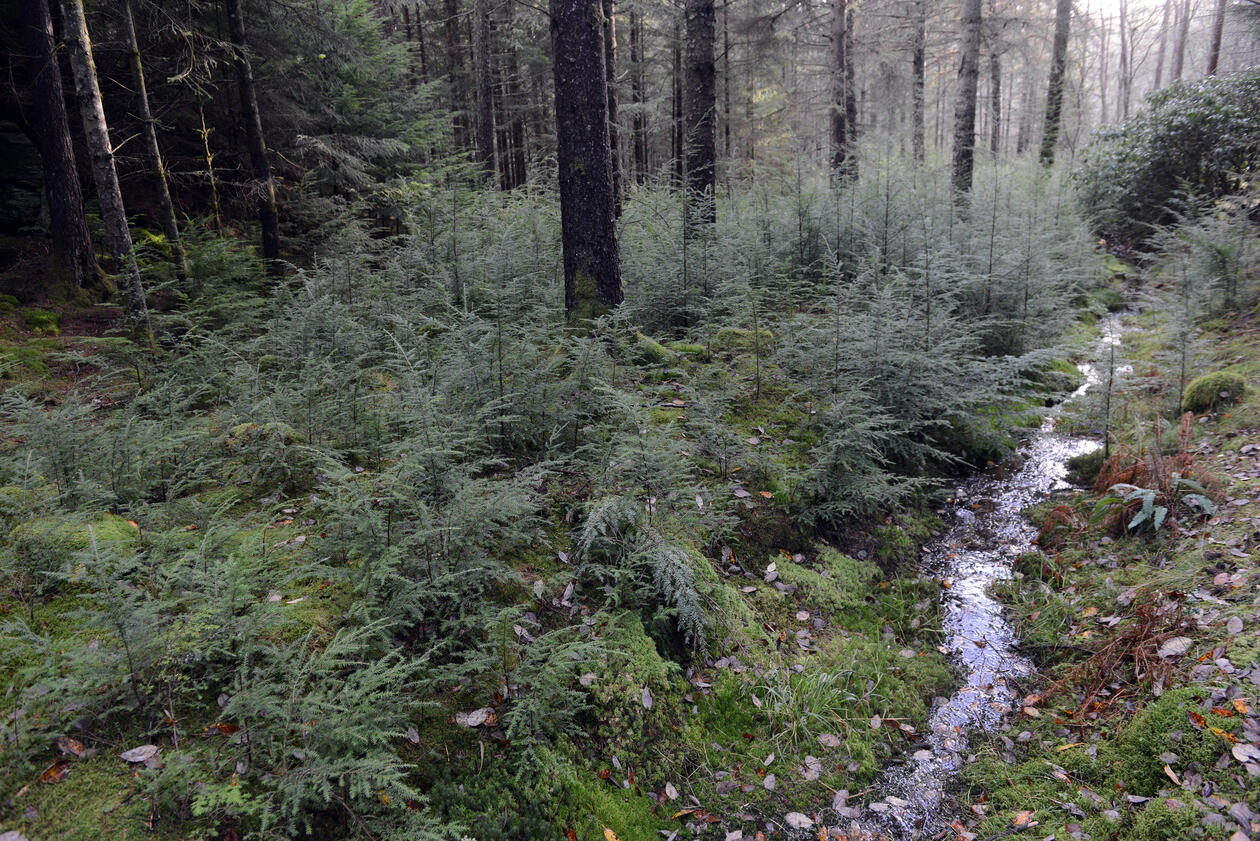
[268,218]
[850,74]
[454,59]
[726,83]
[678,140]
[1126,61]
[995,101]
[485,85]
[843,163]
[1218,31]
[100,150]
[614,128]
[1054,91]
[965,105]
[72,256]
[592,271]
[701,106]
[1183,34]
[170,226]
[1163,45]
[639,122]
[918,67]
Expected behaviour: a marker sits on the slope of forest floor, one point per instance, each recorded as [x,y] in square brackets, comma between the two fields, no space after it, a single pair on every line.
[1143,723]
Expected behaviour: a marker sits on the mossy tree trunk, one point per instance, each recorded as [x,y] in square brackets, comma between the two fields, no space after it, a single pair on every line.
[170,226]
[101,152]
[73,258]
[918,73]
[592,270]
[1054,93]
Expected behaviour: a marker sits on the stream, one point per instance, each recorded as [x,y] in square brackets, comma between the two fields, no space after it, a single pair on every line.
[988,534]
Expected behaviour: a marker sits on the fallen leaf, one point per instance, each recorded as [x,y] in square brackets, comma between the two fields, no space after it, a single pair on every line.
[1245,752]
[767,494]
[1240,705]
[740,493]
[829,740]
[1172,775]
[1023,819]
[476,718]
[1175,647]
[1196,719]
[769,782]
[609,835]
[222,728]
[56,772]
[646,698]
[670,791]
[71,746]
[141,754]
[797,821]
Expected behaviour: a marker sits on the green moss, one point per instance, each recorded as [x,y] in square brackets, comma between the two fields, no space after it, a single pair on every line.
[1148,735]
[41,322]
[839,586]
[650,351]
[1209,391]
[8,303]
[700,352]
[1108,298]
[1162,821]
[1083,469]
[735,338]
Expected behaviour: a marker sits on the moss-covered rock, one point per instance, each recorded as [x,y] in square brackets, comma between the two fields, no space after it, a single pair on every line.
[1219,388]
[1165,820]
[650,351]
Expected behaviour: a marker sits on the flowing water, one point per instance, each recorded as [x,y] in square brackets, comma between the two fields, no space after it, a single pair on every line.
[988,534]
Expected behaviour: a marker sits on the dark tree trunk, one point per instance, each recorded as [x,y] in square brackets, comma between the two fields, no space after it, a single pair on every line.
[268,218]
[677,140]
[170,226]
[1126,61]
[1054,91]
[918,71]
[485,85]
[701,106]
[1163,45]
[73,258]
[100,149]
[842,159]
[592,271]
[1218,32]
[965,106]
[850,72]
[454,59]
[1183,35]
[726,83]
[639,122]
[614,128]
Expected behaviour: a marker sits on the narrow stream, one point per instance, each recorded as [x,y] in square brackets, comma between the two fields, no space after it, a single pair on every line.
[988,534]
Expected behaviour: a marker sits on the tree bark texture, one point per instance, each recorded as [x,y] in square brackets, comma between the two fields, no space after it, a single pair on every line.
[72,255]
[485,85]
[1218,32]
[101,152]
[614,127]
[264,186]
[1163,44]
[638,123]
[1054,90]
[1183,34]
[701,107]
[918,72]
[592,271]
[157,166]
[965,106]
[842,160]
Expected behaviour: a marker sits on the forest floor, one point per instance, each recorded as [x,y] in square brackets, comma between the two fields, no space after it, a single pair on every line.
[1143,723]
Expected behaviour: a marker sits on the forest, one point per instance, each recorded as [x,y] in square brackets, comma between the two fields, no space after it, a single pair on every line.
[429,420]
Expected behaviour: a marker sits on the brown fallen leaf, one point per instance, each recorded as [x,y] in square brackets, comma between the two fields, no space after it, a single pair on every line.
[71,746]
[1241,706]
[56,772]
[609,835]
[1023,819]
[1172,775]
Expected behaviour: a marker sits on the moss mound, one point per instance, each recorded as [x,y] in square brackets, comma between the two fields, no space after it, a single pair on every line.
[1219,388]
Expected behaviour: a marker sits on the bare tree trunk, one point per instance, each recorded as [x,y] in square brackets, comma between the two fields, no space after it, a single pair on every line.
[726,83]
[485,85]
[1126,61]
[1104,66]
[1054,91]
[701,105]
[592,272]
[965,105]
[995,102]
[1183,34]
[454,59]
[1218,31]
[639,123]
[614,128]
[170,225]
[101,151]
[73,259]
[842,161]
[850,73]
[268,218]
[678,140]
[918,66]
[1163,45]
